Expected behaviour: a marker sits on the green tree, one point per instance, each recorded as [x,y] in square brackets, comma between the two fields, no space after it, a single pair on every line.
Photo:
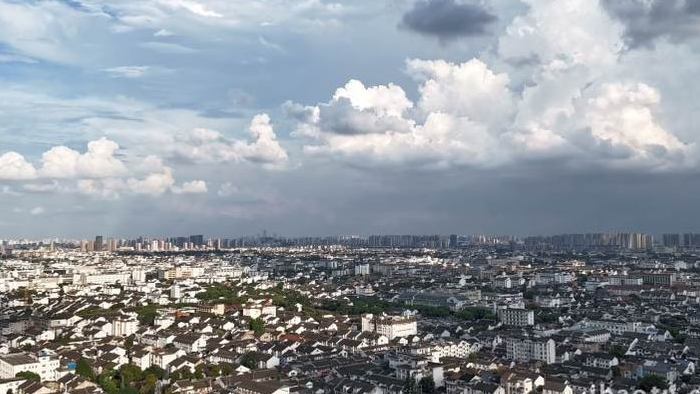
[181,374]
[220,293]
[214,370]
[147,314]
[427,385]
[129,342]
[249,360]
[29,376]
[108,383]
[199,371]
[617,351]
[648,382]
[149,384]
[158,372]
[475,313]
[226,369]
[84,369]
[130,373]
[257,326]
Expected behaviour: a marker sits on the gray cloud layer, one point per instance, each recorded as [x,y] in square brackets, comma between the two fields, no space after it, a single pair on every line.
[447,19]
[646,20]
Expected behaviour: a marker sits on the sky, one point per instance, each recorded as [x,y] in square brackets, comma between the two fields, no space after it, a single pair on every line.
[315,117]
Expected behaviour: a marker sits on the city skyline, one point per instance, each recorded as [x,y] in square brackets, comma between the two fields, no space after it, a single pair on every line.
[503,116]
[268,234]
[568,241]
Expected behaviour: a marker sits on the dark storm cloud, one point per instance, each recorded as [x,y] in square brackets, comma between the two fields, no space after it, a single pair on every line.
[447,19]
[647,20]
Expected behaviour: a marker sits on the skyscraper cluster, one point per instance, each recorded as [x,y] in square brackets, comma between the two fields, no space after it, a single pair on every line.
[621,240]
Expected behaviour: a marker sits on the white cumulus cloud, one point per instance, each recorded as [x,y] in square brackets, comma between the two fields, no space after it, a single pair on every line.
[210,146]
[98,162]
[567,107]
[14,166]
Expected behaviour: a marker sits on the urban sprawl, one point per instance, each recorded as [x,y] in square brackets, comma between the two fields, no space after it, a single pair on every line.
[405,314]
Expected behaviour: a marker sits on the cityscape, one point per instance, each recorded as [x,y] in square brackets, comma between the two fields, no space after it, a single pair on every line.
[574,313]
[349,197]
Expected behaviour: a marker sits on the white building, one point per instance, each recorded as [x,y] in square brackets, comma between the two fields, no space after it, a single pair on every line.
[11,385]
[390,326]
[163,357]
[362,269]
[255,310]
[454,348]
[502,282]
[175,291]
[182,272]
[550,278]
[138,276]
[526,349]
[123,327]
[44,364]
[104,278]
[517,317]
[615,327]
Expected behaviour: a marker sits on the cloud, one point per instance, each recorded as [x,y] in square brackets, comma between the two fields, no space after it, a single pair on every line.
[36,211]
[451,124]
[549,94]
[97,172]
[192,187]
[210,146]
[109,188]
[447,19]
[647,20]
[621,118]
[356,109]
[127,71]
[14,166]
[467,115]
[571,31]
[265,148]
[193,7]
[45,187]
[227,189]
[40,30]
[163,33]
[12,58]
[469,89]
[153,184]
[98,162]
[169,48]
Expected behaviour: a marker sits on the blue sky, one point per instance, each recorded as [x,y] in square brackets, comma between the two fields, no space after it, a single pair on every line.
[227,117]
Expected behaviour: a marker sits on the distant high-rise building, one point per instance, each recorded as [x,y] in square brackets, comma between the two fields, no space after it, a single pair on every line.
[197,240]
[691,240]
[593,240]
[453,240]
[671,240]
[98,243]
